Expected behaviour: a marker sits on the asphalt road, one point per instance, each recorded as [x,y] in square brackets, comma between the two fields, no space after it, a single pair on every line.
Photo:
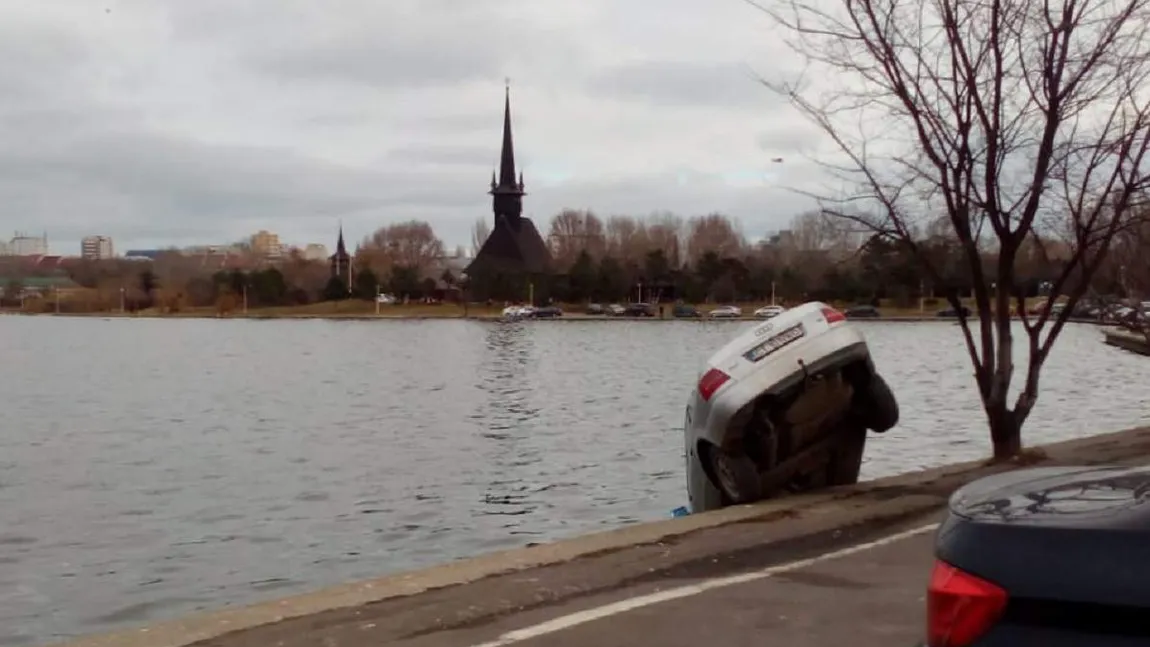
[871,598]
[863,592]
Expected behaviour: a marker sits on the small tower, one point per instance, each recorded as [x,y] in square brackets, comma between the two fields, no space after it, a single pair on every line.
[341,260]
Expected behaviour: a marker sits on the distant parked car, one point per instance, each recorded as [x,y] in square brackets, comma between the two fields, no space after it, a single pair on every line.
[386,299]
[517,312]
[596,309]
[616,310]
[862,312]
[950,312]
[684,311]
[769,312]
[547,312]
[726,312]
[639,310]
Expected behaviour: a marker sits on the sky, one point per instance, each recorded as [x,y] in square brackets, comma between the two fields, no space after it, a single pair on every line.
[177,122]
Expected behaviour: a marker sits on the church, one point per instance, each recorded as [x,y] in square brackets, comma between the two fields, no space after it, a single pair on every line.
[514,257]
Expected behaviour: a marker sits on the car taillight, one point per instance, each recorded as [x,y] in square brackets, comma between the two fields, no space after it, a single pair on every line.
[832,315]
[711,381]
[960,607]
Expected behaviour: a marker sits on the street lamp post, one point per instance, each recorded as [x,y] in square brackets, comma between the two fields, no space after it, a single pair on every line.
[463,292]
[121,299]
[377,299]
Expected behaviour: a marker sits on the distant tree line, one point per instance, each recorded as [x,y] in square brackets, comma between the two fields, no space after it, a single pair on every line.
[661,257]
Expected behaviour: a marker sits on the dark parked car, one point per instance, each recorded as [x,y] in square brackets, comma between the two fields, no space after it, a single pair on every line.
[547,312]
[862,312]
[951,312]
[683,310]
[639,310]
[1052,556]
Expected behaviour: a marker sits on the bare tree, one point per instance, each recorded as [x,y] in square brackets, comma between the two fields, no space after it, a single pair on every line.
[713,233]
[1013,119]
[627,238]
[1128,264]
[665,233]
[816,231]
[479,233]
[573,231]
[411,244]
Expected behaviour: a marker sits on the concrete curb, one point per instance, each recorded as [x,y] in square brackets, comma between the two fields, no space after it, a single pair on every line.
[1127,341]
[890,499]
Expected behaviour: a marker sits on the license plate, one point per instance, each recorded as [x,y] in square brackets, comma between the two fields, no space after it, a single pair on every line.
[774,343]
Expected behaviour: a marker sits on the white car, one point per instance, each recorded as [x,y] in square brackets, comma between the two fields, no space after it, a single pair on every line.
[517,312]
[386,299]
[769,312]
[726,312]
[783,407]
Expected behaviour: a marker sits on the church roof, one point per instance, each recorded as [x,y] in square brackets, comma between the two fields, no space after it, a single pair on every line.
[509,250]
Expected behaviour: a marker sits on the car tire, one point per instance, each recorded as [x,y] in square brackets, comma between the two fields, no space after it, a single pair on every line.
[879,408]
[846,460]
[734,474]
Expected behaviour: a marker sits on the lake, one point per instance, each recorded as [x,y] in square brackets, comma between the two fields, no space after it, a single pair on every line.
[151,468]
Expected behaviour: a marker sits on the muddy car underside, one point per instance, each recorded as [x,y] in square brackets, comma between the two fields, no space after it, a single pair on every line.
[805,435]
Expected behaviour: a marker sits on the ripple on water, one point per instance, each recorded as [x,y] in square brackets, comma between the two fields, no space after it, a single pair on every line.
[283,456]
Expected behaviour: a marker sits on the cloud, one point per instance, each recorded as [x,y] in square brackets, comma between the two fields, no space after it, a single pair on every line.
[170,122]
[662,83]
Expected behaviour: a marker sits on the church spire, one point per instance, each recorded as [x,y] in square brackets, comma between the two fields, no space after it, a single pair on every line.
[507,155]
[340,248]
[508,190]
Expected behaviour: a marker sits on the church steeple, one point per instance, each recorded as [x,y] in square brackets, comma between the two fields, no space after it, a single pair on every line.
[507,192]
[507,154]
[340,261]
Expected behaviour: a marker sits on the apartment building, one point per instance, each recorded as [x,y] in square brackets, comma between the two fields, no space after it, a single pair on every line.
[265,244]
[315,252]
[95,248]
[24,245]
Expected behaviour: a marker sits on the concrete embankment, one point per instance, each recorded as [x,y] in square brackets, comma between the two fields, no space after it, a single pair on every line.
[1127,340]
[844,566]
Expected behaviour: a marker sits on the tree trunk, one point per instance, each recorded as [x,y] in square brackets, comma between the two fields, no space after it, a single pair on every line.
[1005,432]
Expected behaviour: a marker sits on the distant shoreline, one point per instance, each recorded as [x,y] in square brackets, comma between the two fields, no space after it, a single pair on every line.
[424,313]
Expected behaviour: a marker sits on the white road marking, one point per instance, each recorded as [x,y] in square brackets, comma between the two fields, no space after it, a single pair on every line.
[630,604]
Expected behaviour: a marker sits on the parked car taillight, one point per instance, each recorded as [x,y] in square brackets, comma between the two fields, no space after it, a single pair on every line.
[832,315]
[960,607]
[711,381]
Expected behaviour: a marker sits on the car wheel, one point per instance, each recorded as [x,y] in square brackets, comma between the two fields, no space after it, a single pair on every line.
[880,408]
[846,460]
[735,474]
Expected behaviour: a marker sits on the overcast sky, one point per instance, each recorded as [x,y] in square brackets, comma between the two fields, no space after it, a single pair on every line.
[177,122]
